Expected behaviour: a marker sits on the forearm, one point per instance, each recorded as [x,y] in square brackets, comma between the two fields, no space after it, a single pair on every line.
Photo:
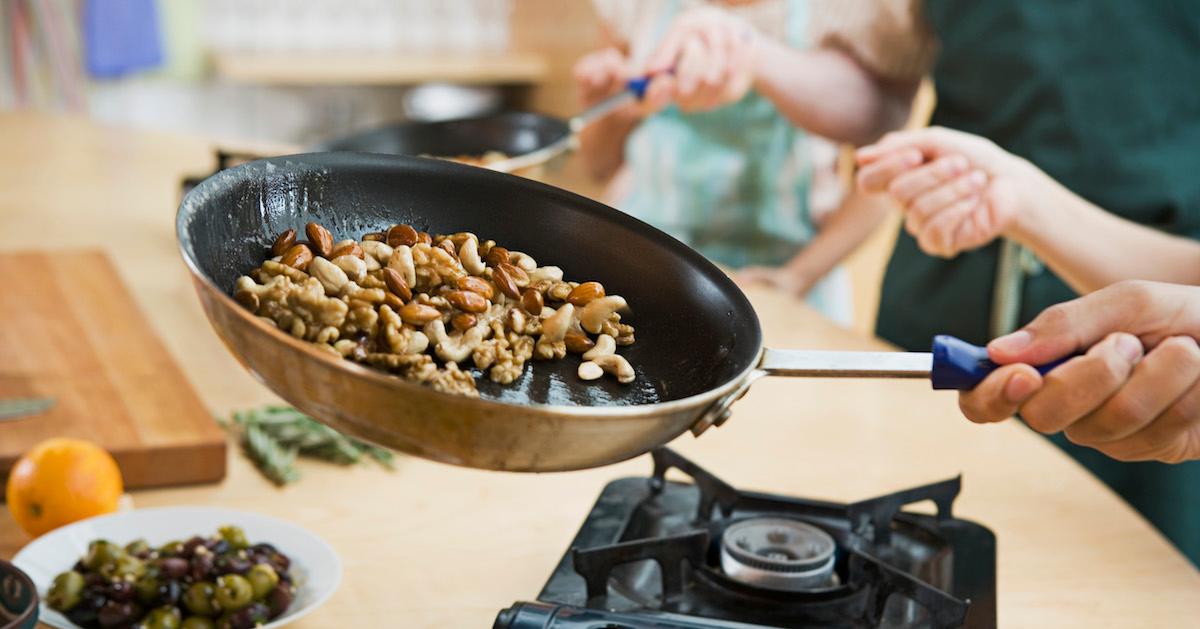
[827,93]
[841,234]
[602,143]
[1091,248]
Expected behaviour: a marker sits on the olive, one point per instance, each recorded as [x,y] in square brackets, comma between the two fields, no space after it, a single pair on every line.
[190,546]
[280,599]
[231,564]
[199,598]
[126,566]
[169,593]
[147,588]
[115,614]
[138,548]
[166,617]
[83,615]
[66,592]
[121,591]
[201,566]
[263,579]
[171,549]
[234,592]
[219,546]
[173,567]
[245,618]
[198,622]
[100,553]
[235,536]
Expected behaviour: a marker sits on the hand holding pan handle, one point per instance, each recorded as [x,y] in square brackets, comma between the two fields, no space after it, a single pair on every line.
[952,364]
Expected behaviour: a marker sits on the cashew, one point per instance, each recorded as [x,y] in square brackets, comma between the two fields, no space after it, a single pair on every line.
[355,267]
[469,255]
[605,346]
[331,277]
[545,274]
[454,347]
[593,315]
[554,330]
[402,260]
[342,243]
[616,365]
[378,251]
[589,370]
[522,260]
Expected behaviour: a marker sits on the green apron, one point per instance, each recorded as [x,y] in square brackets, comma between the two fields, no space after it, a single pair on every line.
[1104,95]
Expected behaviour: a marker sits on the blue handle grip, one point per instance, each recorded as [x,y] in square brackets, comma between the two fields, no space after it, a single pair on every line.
[638,86]
[959,365]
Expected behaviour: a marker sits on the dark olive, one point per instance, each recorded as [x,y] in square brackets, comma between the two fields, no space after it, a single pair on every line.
[100,553]
[231,564]
[280,598]
[173,567]
[263,579]
[83,615]
[190,546]
[245,618]
[198,622]
[115,614]
[121,591]
[201,566]
[234,592]
[219,546]
[169,593]
[199,598]
[235,536]
[66,592]
[166,617]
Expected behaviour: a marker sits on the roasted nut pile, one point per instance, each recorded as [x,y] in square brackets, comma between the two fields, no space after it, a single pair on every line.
[419,306]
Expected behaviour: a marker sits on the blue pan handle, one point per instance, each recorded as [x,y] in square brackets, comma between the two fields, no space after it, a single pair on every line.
[960,365]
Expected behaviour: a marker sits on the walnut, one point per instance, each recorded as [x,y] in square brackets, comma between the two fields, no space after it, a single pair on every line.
[272,269]
[451,379]
[558,291]
[414,367]
[398,337]
[434,267]
[624,334]
[362,318]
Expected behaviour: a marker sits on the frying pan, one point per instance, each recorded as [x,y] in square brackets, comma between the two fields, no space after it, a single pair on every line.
[699,345]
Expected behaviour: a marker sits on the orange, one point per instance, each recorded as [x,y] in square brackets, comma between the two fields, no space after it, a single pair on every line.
[61,481]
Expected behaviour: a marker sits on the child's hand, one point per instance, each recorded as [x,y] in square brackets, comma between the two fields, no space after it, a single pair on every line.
[958,191]
[705,61]
[781,278]
[600,74]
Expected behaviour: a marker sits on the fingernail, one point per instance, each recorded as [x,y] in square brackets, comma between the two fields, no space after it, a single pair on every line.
[959,163]
[978,178]
[1019,387]
[1129,347]
[913,158]
[1012,343]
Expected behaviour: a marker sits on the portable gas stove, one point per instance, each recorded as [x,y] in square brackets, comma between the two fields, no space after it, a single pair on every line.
[662,554]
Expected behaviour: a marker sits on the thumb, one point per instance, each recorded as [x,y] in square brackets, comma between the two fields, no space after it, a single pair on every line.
[1076,325]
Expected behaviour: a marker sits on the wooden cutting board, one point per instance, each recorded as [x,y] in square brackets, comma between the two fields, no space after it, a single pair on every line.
[69,329]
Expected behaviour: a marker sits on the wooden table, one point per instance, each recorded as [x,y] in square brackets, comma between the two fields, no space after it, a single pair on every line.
[431,545]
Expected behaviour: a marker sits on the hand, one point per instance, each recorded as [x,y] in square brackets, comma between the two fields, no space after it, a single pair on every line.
[706,60]
[1134,396]
[958,191]
[600,74]
[782,278]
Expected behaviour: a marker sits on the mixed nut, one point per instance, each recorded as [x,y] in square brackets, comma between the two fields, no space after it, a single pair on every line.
[419,305]
[218,582]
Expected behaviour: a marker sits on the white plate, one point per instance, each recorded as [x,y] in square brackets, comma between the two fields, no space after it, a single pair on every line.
[315,567]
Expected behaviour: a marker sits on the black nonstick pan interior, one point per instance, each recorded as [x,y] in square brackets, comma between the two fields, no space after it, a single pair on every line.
[695,328]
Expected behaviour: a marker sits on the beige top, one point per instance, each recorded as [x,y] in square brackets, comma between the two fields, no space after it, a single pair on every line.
[436,546]
[890,37]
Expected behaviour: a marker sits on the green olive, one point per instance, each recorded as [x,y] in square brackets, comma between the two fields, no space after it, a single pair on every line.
[167,617]
[126,566]
[199,598]
[198,622]
[263,579]
[137,547]
[66,591]
[234,592]
[100,553]
[235,536]
[147,587]
[171,549]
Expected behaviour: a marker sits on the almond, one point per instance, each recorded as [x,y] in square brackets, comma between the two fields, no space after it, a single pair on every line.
[396,284]
[518,275]
[464,321]
[298,257]
[283,242]
[531,301]
[467,301]
[448,247]
[424,238]
[577,342]
[393,301]
[321,239]
[585,293]
[351,249]
[476,285]
[496,256]
[418,314]
[401,235]
[505,282]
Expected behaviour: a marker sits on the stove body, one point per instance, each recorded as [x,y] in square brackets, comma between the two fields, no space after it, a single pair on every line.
[664,554]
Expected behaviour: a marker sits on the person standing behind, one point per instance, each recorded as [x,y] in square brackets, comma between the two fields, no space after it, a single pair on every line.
[710,156]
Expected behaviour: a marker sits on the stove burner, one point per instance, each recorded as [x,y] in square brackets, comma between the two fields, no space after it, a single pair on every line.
[778,554]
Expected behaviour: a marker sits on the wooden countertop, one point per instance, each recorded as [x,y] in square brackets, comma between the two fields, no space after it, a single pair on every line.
[375,69]
[431,545]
